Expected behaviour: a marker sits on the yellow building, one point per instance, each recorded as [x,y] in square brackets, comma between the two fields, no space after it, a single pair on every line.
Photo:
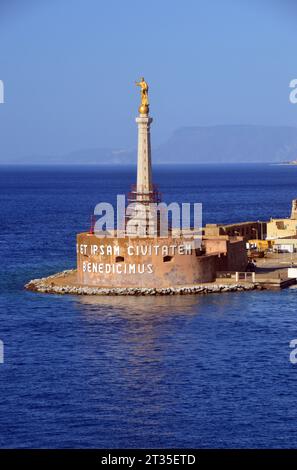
[281,228]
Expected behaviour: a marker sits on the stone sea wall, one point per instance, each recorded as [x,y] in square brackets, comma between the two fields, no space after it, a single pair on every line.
[46,285]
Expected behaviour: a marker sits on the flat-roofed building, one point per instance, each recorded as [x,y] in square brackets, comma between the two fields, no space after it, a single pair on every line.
[286,245]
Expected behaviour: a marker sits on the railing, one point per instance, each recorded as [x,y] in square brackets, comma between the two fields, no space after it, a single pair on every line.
[226,274]
[238,276]
[144,197]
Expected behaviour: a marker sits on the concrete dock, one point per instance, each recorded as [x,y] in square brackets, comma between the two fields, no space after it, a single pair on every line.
[271,272]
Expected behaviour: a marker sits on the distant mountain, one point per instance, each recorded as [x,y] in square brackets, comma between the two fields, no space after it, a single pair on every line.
[229,144]
[83,157]
[104,155]
[210,144]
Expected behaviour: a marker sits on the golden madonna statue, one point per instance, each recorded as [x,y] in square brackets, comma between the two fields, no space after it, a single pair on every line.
[144,106]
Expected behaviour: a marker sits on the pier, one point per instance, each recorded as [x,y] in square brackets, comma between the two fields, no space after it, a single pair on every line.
[271,272]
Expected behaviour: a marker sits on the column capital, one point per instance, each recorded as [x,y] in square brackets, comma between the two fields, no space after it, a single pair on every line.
[144,120]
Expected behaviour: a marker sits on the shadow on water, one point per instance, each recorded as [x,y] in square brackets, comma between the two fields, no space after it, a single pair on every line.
[131,307]
[150,308]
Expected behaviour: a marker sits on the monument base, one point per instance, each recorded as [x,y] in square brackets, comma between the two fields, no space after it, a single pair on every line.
[142,262]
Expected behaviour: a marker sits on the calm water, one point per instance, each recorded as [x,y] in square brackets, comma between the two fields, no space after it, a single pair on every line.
[140,372]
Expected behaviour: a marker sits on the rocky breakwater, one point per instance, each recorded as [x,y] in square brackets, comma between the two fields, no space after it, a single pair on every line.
[49,286]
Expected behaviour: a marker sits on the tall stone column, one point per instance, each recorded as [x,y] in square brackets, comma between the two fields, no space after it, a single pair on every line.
[144,164]
[141,218]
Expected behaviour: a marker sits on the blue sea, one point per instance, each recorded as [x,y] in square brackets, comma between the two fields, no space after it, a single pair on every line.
[109,372]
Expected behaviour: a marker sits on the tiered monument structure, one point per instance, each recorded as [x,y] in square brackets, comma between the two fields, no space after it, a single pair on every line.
[144,258]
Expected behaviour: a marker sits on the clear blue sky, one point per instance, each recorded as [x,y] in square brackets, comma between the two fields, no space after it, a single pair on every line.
[69,68]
